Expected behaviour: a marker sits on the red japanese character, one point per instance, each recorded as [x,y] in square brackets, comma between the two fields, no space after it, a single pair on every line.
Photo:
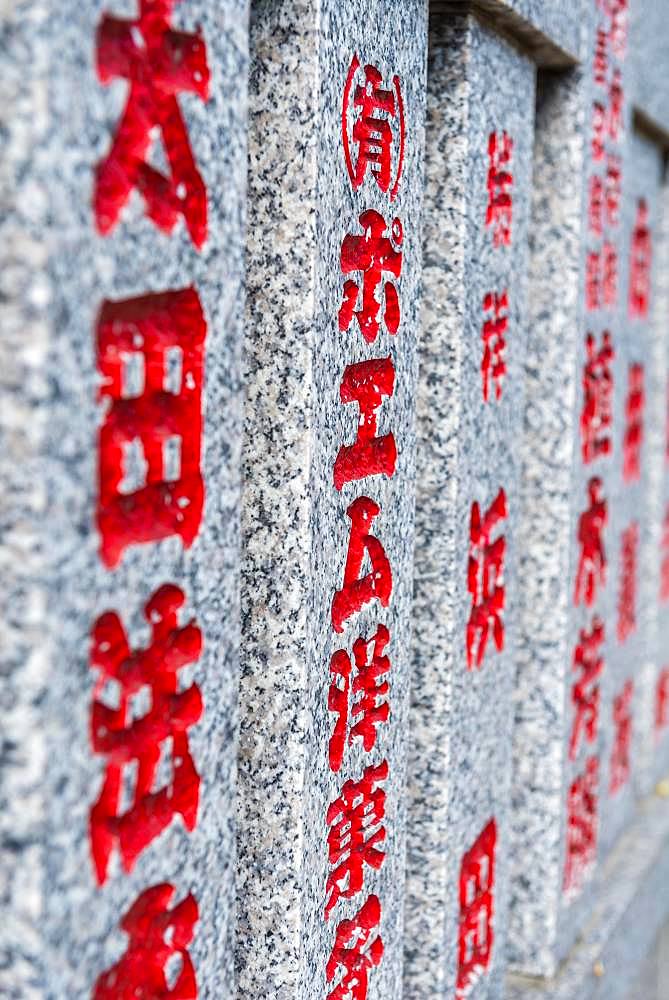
[599,126]
[370,694]
[610,274]
[160,63]
[597,412]
[374,254]
[618,15]
[374,112]
[150,328]
[664,566]
[476,932]
[627,598]
[596,205]
[581,847]
[356,835]
[485,580]
[499,213]
[640,263]
[357,949]
[367,383]
[593,281]
[601,57]
[493,363]
[378,583]
[622,741]
[127,740]
[634,423]
[157,936]
[585,694]
[616,106]
[613,189]
[591,572]
[662,700]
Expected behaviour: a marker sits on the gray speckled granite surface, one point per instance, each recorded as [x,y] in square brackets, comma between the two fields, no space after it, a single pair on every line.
[295,528]
[461,732]
[74,924]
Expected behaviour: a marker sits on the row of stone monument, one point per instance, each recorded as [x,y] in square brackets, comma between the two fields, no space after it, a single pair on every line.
[335,453]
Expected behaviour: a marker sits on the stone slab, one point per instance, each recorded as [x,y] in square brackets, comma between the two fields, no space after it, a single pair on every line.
[294,769]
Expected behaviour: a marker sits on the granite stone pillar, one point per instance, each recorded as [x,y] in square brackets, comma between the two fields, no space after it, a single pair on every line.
[478,183]
[121,428]
[334,251]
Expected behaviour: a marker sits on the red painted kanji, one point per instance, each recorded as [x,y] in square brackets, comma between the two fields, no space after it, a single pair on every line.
[616,106]
[601,57]
[609,274]
[597,412]
[664,566]
[132,742]
[596,205]
[493,334]
[369,706]
[585,694]
[613,188]
[378,583]
[641,258]
[358,948]
[357,834]
[622,738]
[485,580]
[160,63]
[591,572]
[374,111]
[662,700]
[582,819]
[629,545]
[499,213]
[157,935]
[367,383]
[476,932]
[150,328]
[634,423]
[375,255]
[593,281]
[599,127]
[617,10]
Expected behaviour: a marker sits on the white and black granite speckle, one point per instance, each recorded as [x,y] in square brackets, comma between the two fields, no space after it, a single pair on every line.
[295,531]
[53,419]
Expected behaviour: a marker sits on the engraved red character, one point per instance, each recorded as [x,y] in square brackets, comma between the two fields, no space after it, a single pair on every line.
[485,580]
[130,742]
[597,412]
[476,932]
[374,112]
[358,949]
[369,705]
[601,58]
[367,383]
[499,213]
[375,254]
[599,127]
[591,573]
[634,423]
[378,583]
[628,576]
[157,935]
[160,63]
[585,694]
[493,334]
[640,263]
[664,566]
[582,819]
[596,205]
[618,33]
[609,261]
[616,105]
[622,740]
[151,329]
[662,700]
[357,834]
[593,281]
[613,189]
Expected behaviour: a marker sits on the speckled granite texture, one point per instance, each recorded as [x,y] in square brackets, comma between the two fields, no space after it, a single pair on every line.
[295,530]
[50,426]
[461,728]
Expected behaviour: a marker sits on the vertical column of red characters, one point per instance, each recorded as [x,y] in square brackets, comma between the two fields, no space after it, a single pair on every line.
[373,136]
[147,332]
[596,443]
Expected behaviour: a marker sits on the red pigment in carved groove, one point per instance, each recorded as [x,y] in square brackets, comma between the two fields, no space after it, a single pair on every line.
[493,334]
[662,700]
[585,694]
[622,741]
[374,254]
[640,263]
[367,384]
[597,412]
[127,741]
[582,820]
[150,326]
[629,545]
[357,949]
[613,188]
[499,212]
[378,583]
[591,572]
[476,932]
[160,63]
[156,935]
[609,260]
[370,706]
[635,405]
[485,575]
